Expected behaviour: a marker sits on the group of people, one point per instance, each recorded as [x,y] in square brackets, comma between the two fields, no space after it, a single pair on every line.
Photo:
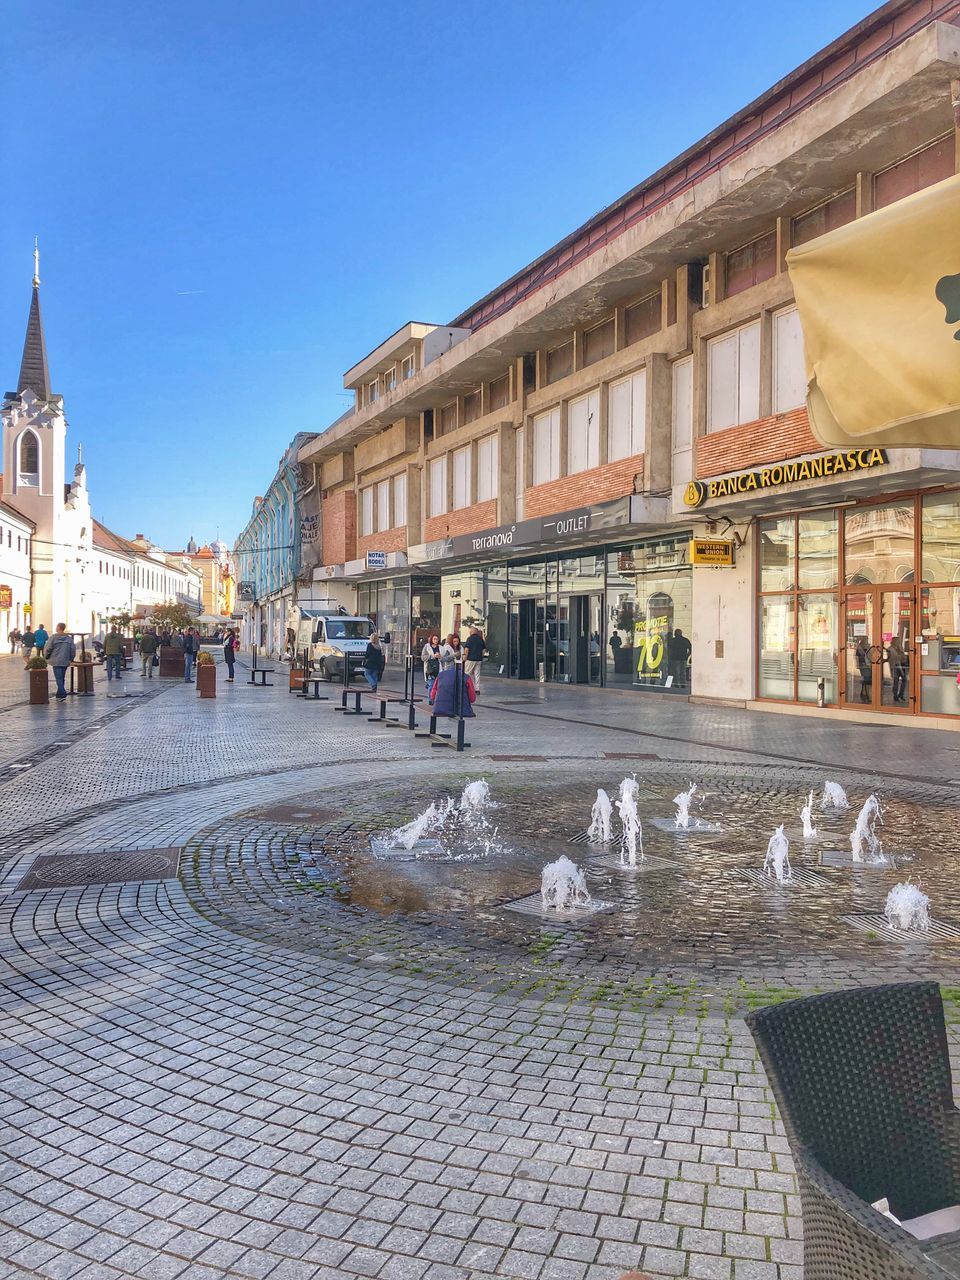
[439,668]
[29,642]
[896,657]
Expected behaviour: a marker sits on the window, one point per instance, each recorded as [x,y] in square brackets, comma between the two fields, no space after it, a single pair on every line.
[599,342]
[407,367]
[789,370]
[29,471]
[752,264]
[627,417]
[642,319]
[471,406]
[500,392]
[448,418]
[817,222]
[733,378]
[488,466]
[461,478]
[373,391]
[400,500]
[583,433]
[683,404]
[390,379]
[366,511]
[438,486]
[560,362]
[546,447]
[922,169]
[383,505]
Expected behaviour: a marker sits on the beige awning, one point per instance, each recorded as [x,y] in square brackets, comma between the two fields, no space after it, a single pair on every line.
[879,303]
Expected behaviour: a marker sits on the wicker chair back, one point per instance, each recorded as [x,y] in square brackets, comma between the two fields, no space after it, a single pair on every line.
[862,1079]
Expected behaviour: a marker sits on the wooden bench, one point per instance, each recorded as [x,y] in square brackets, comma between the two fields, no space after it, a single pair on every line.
[357,709]
[438,739]
[262,672]
[316,696]
[393,722]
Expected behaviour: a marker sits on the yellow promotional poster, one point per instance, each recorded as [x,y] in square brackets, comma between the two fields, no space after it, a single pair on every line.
[879,303]
[650,646]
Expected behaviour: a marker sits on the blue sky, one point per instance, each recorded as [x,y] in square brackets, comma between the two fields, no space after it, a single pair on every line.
[237,200]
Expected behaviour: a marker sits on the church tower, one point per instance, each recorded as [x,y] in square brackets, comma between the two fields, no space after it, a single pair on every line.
[34,482]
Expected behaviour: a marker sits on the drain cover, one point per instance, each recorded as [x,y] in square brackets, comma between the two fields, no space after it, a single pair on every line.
[939,929]
[532,905]
[387,851]
[74,870]
[290,811]
[524,759]
[648,863]
[800,879]
[842,858]
[629,755]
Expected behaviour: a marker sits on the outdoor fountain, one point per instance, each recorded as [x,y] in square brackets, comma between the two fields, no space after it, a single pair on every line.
[563,887]
[777,861]
[806,814]
[683,802]
[476,795]
[834,797]
[865,844]
[631,837]
[464,819]
[907,907]
[600,830]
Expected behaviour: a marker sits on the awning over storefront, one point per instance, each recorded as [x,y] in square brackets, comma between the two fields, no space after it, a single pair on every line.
[879,303]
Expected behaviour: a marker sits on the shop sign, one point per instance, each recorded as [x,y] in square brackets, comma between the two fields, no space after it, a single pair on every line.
[28,608]
[648,642]
[376,559]
[711,551]
[6,597]
[823,467]
[528,533]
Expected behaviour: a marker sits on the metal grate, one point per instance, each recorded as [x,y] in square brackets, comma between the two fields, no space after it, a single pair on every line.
[629,755]
[384,849]
[842,858]
[532,905]
[647,863]
[939,929]
[800,879]
[290,811]
[75,870]
[524,759]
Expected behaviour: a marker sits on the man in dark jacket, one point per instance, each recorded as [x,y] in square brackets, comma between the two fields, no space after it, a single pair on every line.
[473,648]
[113,651]
[148,647]
[444,692]
[191,647]
[679,649]
[60,651]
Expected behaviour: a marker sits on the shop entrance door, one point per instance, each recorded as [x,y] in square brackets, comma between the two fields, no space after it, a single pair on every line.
[877,627]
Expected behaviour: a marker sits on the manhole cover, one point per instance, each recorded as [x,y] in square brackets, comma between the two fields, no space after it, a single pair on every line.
[63,871]
[877,924]
[801,878]
[290,811]
[532,905]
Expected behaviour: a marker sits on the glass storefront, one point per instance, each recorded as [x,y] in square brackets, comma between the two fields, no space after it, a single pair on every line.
[408,609]
[839,603]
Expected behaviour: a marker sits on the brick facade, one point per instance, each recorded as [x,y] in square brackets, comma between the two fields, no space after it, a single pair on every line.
[601,484]
[483,515]
[389,540]
[339,512]
[754,444]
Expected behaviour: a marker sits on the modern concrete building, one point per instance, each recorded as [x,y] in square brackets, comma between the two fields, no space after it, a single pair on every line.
[541,464]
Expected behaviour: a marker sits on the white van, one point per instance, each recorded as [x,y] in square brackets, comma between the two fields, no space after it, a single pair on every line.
[330,636]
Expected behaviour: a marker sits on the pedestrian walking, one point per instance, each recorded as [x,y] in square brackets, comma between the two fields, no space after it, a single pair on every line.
[60,651]
[26,647]
[443,695]
[191,647]
[899,662]
[374,661]
[450,651]
[473,650]
[679,650]
[148,650]
[231,643]
[16,636]
[430,658]
[40,638]
[113,652]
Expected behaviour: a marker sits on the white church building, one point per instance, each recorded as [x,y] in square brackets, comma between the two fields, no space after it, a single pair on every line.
[57,564]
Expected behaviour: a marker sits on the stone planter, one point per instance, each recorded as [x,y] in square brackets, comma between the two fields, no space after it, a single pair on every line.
[207,680]
[171,661]
[39,686]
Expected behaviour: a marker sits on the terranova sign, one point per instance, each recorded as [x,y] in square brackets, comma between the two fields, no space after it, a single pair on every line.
[538,532]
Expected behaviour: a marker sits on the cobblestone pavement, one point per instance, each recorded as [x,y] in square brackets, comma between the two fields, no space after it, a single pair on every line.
[212,1077]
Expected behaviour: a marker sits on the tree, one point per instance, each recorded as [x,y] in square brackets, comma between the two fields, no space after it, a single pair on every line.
[171,616]
[121,619]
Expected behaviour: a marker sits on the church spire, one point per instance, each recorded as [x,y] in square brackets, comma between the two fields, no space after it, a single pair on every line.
[34,373]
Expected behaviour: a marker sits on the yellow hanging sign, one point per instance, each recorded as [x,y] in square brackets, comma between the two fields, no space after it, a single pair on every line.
[716,551]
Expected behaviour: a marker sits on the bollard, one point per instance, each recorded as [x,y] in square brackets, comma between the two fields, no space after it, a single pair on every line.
[821,692]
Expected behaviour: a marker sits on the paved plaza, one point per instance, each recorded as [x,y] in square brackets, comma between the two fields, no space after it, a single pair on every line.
[279,1062]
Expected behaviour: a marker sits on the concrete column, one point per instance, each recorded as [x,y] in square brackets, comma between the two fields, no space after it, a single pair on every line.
[766,363]
[864,194]
[507,471]
[724,629]
[659,442]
